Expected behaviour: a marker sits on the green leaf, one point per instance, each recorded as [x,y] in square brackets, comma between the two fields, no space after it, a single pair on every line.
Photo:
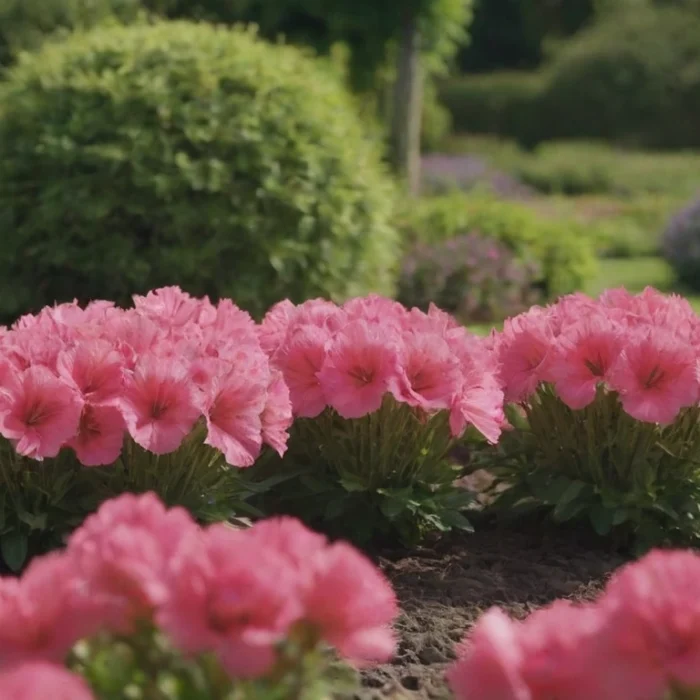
[621,515]
[602,519]
[569,511]
[454,518]
[393,507]
[36,521]
[567,505]
[666,509]
[352,485]
[336,507]
[14,546]
[550,492]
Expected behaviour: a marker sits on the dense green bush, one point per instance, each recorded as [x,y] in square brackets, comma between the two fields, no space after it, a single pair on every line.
[575,168]
[561,248]
[498,103]
[134,157]
[634,77]
[624,228]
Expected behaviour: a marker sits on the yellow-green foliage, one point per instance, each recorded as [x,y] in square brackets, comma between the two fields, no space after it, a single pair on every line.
[564,252]
[178,153]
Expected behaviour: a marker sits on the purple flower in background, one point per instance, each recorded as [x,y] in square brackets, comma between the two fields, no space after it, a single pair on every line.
[681,244]
[474,277]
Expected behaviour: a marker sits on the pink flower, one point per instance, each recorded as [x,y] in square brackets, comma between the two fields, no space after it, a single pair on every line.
[352,605]
[230,595]
[158,404]
[563,655]
[168,306]
[42,614]
[523,350]
[95,368]
[273,328]
[375,308]
[100,436]
[133,334]
[478,403]
[361,366]
[489,664]
[655,376]
[300,358]
[321,313]
[232,409]
[582,359]
[557,652]
[121,554]
[39,413]
[654,619]
[277,415]
[39,681]
[291,540]
[431,374]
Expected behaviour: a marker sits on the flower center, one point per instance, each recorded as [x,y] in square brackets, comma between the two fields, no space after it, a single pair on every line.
[159,408]
[655,378]
[362,375]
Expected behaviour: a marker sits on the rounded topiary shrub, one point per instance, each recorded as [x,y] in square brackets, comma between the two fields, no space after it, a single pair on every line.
[634,77]
[178,153]
[681,245]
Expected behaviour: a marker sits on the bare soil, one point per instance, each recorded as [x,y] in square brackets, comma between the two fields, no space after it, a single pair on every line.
[444,588]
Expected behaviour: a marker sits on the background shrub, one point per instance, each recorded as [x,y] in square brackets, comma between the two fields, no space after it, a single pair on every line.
[633,77]
[134,157]
[561,248]
[475,278]
[681,245]
[597,168]
[498,103]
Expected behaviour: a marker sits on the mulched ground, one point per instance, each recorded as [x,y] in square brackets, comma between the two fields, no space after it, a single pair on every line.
[443,589]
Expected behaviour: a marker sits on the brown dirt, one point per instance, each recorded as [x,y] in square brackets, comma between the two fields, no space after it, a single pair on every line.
[443,589]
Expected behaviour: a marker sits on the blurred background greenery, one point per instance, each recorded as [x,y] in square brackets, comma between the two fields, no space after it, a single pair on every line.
[479,154]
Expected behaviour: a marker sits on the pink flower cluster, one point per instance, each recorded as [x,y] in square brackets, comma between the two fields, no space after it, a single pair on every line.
[644,347]
[83,378]
[639,641]
[350,357]
[236,593]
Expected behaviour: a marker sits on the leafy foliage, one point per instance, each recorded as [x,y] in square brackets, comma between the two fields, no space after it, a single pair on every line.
[140,156]
[565,256]
[358,481]
[499,103]
[633,78]
[148,666]
[636,481]
[43,502]
[470,276]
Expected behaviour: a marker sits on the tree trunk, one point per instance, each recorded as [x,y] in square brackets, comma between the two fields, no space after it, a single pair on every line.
[408,105]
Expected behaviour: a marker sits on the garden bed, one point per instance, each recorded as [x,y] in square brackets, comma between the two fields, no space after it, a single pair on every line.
[445,587]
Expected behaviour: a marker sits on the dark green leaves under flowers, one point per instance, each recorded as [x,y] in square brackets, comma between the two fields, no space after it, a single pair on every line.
[638,483]
[379,477]
[41,503]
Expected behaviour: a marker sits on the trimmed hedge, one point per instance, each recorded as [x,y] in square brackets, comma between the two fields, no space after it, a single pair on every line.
[634,78]
[564,253]
[497,103]
[136,157]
